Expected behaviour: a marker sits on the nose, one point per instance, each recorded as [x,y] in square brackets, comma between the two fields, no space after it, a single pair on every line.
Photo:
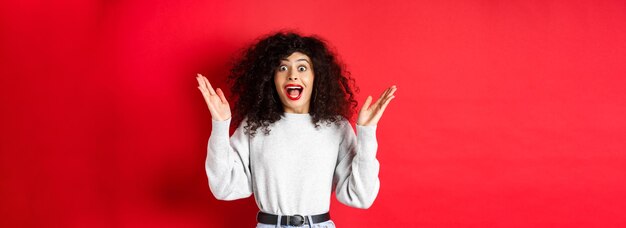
[293,76]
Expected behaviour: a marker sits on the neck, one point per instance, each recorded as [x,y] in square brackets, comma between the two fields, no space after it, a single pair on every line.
[299,110]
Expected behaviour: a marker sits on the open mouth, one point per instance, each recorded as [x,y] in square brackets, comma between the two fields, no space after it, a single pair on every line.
[294,91]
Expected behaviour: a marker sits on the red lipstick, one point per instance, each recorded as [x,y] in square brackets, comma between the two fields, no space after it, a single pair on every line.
[293,91]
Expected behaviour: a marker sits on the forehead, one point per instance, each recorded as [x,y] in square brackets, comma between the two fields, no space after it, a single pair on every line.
[296,56]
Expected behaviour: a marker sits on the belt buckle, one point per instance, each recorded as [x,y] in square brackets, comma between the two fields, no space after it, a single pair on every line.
[295,220]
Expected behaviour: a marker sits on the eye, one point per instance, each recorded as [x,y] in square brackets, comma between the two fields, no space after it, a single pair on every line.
[301,68]
[282,68]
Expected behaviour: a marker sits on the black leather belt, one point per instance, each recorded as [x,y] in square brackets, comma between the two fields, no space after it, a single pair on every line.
[292,220]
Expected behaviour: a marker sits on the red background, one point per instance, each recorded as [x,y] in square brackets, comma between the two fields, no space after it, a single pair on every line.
[508,113]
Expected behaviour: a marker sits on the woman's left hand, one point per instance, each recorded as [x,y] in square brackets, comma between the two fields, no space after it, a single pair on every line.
[370,114]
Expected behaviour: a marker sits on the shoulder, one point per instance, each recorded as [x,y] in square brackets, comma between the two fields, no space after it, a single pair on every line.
[343,124]
[338,122]
[241,127]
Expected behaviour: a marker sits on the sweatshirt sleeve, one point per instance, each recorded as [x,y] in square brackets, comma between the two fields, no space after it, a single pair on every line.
[228,162]
[356,174]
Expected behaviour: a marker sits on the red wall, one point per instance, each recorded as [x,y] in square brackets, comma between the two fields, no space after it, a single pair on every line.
[508,113]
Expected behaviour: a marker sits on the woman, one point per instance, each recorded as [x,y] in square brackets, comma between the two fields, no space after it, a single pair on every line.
[294,143]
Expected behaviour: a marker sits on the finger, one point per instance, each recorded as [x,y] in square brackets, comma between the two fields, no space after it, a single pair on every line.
[379,112]
[381,97]
[385,92]
[384,106]
[393,90]
[220,93]
[200,81]
[208,86]
[389,93]
[203,90]
[389,96]
[205,94]
[367,103]
[207,99]
[211,91]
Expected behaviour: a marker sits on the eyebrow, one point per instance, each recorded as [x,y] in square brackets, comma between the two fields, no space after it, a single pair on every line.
[297,60]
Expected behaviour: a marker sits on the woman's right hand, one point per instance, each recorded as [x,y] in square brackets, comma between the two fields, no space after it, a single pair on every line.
[218,105]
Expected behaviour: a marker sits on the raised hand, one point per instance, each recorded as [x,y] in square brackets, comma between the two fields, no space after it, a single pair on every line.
[218,105]
[370,114]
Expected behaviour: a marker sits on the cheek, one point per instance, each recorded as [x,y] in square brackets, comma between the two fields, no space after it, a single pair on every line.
[276,86]
[311,80]
[277,81]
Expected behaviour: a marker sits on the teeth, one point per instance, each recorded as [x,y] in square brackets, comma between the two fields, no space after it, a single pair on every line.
[294,87]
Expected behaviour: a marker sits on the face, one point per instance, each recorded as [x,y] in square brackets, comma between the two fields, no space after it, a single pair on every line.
[294,82]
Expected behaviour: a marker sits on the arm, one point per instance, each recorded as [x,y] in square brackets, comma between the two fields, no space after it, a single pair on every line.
[228,162]
[356,174]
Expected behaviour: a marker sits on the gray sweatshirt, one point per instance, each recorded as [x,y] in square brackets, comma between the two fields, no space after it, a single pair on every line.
[294,169]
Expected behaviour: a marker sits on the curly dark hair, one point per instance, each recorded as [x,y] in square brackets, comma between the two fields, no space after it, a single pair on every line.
[254,92]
